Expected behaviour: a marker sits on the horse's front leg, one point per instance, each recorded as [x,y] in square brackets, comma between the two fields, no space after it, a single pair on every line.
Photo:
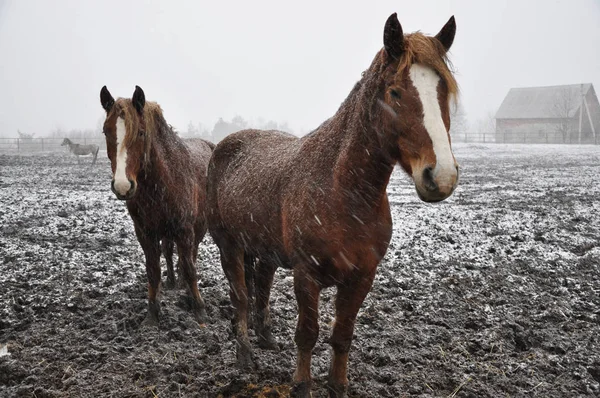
[185,250]
[151,247]
[167,251]
[349,298]
[307,292]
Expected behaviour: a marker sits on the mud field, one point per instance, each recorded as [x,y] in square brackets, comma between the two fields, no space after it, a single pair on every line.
[492,293]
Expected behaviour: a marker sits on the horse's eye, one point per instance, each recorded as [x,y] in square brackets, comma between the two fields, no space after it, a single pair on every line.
[394,94]
[141,133]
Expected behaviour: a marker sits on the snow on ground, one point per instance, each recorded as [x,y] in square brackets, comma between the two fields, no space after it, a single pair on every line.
[493,292]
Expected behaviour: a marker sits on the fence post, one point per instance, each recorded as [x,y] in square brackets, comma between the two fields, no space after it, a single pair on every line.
[18,145]
[42,145]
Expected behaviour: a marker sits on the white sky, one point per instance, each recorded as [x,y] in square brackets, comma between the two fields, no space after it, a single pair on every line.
[271,59]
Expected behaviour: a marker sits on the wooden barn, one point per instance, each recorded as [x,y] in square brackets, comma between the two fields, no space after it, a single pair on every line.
[554,114]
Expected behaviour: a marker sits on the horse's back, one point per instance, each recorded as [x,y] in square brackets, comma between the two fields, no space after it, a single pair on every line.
[260,153]
[200,151]
[245,179]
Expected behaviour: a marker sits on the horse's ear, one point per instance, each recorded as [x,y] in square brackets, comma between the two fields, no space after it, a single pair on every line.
[106,99]
[393,38]
[138,100]
[446,35]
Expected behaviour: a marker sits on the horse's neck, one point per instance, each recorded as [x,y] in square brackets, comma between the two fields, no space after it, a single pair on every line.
[362,164]
[162,155]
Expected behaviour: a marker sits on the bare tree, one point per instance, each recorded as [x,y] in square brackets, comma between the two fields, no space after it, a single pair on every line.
[562,109]
[25,136]
[458,121]
[486,126]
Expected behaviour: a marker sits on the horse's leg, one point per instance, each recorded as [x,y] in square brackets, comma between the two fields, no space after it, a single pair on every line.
[249,271]
[185,249]
[95,156]
[349,298]
[151,247]
[167,250]
[232,261]
[307,292]
[264,281]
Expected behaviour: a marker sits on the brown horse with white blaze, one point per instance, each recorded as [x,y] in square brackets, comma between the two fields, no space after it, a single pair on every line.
[162,178]
[318,204]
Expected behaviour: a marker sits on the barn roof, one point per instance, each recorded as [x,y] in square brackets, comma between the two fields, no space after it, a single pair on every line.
[550,102]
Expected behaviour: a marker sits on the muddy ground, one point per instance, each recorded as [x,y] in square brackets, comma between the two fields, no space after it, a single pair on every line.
[492,293]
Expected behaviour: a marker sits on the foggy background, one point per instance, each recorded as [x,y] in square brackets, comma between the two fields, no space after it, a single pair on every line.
[292,64]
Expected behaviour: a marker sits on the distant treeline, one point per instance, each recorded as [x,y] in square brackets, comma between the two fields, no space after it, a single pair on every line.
[220,130]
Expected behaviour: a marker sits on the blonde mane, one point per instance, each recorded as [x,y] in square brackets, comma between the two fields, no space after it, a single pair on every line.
[152,115]
[428,51]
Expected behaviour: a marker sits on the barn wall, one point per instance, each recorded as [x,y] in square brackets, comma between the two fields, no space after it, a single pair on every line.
[534,131]
[594,107]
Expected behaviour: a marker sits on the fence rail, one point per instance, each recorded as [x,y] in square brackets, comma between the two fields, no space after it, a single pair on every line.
[24,145]
[517,137]
[31,145]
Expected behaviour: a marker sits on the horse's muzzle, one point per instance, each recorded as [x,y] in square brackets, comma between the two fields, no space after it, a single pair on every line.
[432,189]
[118,191]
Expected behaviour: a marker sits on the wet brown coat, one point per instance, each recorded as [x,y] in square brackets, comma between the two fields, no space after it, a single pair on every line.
[318,204]
[168,177]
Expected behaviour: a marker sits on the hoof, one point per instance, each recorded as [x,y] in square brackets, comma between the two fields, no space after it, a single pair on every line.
[301,390]
[266,341]
[201,316]
[244,357]
[170,285]
[151,321]
[337,390]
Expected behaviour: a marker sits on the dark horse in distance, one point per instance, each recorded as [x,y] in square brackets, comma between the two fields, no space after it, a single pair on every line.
[163,181]
[318,204]
[82,150]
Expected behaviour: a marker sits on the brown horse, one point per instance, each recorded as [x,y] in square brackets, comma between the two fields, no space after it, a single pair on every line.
[318,204]
[163,181]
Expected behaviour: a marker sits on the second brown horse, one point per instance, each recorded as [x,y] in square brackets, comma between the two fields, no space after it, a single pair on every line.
[162,178]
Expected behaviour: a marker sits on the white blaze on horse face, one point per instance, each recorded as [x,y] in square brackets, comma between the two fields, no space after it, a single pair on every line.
[426,82]
[122,183]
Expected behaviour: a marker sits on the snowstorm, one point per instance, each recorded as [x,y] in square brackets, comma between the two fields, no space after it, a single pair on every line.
[262,199]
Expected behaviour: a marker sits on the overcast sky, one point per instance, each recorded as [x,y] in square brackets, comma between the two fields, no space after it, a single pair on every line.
[271,59]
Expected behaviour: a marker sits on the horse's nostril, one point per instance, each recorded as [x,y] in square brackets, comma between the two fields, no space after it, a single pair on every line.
[131,188]
[428,179]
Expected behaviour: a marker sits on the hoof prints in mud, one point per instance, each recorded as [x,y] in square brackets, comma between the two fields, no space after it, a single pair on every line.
[495,292]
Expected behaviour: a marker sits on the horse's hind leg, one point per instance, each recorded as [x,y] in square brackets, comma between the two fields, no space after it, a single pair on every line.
[262,325]
[151,246]
[232,261]
[307,292]
[185,249]
[167,250]
[249,270]
[349,298]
